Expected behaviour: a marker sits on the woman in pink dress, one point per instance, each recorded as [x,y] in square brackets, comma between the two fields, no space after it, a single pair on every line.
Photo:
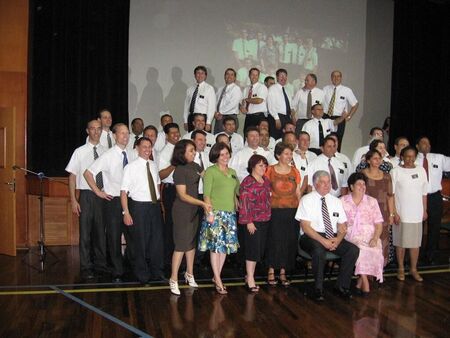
[364,227]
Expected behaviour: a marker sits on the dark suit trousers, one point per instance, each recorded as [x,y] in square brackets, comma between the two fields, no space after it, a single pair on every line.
[168,194]
[273,131]
[434,209]
[92,233]
[146,240]
[340,129]
[112,214]
[347,251]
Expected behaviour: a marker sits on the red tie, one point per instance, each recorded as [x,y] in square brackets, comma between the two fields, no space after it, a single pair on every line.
[425,165]
[250,92]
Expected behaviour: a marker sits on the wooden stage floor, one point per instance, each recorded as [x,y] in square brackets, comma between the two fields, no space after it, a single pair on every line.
[56,304]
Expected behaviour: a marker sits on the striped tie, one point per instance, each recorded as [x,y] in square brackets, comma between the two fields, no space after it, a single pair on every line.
[329,233]
[331,105]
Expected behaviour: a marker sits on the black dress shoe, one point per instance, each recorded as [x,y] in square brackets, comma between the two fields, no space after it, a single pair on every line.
[343,293]
[318,295]
[117,280]
[361,293]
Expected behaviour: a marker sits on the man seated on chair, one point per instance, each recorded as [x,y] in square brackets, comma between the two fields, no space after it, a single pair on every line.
[324,223]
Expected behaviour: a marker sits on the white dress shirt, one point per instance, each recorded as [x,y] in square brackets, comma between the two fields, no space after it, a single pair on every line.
[210,139]
[82,158]
[300,101]
[276,103]
[206,164]
[239,161]
[312,128]
[135,180]
[259,91]
[205,101]
[395,161]
[310,209]
[164,158]
[321,163]
[343,100]
[230,100]
[437,164]
[160,141]
[104,139]
[132,140]
[111,166]
[359,154]
[236,141]
[346,162]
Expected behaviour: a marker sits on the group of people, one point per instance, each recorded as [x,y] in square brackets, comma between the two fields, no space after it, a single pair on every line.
[171,198]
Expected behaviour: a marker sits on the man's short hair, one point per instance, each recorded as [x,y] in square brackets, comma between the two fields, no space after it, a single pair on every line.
[226,70]
[288,133]
[203,68]
[101,111]
[328,138]
[142,139]
[135,119]
[267,78]
[420,138]
[228,118]
[398,139]
[163,116]
[252,69]
[151,127]
[318,174]
[374,129]
[169,126]
[250,129]
[314,76]
[117,125]
[198,114]
[315,105]
[196,132]
[281,70]
[304,133]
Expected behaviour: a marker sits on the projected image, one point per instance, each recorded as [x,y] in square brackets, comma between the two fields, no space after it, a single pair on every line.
[268,49]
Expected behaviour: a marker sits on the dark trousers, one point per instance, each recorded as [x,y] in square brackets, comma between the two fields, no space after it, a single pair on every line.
[92,233]
[168,194]
[347,251]
[340,129]
[434,209]
[145,240]
[112,214]
[199,255]
[252,120]
[299,125]
[190,120]
[273,131]
[218,124]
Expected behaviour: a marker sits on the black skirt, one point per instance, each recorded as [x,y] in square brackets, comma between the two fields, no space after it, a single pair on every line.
[255,245]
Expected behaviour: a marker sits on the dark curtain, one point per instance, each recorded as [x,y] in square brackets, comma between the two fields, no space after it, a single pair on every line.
[78,65]
[421,72]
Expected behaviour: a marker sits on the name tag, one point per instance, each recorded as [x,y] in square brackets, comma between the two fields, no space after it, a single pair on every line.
[414,176]
[335,214]
[302,168]
[208,145]
[201,96]
[435,166]
[345,165]
[341,171]
[254,95]
[328,130]
[317,102]
[342,97]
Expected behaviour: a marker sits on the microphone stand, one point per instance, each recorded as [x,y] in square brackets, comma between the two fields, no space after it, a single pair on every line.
[42,248]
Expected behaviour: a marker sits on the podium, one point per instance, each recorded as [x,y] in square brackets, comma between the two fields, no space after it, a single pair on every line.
[61,225]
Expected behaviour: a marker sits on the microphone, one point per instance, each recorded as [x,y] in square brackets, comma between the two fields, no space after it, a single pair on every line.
[15,167]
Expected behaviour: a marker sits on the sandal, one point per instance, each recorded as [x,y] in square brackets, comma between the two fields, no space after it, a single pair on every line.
[252,289]
[271,281]
[401,275]
[414,274]
[221,290]
[284,281]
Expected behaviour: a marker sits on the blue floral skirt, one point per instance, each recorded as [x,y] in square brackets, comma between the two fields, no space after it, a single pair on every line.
[221,236]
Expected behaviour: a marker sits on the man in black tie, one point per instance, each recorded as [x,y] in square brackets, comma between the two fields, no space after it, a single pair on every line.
[137,131]
[324,224]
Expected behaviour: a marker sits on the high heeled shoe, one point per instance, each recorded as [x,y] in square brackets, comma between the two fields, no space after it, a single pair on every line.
[174,287]
[414,274]
[190,280]
[221,290]
[401,275]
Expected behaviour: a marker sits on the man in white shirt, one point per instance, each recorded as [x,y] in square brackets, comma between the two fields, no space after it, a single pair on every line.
[329,163]
[376,133]
[168,191]
[239,161]
[304,99]
[199,124]
[201,99]
[319,128]
[137,129]
[111,165]
[279,105]
[254,104]
[263,124]
[228,99]
[288,127]
[89,207]
[348,167]
[106,138]
[399,143]
[139,197]
[151,133]
[235,139]
[339,99]
[161,139]
[434,165]
[324,223]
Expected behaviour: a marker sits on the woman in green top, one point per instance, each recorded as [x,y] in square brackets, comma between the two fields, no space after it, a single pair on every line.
[218,233]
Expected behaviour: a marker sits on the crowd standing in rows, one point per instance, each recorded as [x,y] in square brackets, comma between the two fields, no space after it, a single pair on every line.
[285,184]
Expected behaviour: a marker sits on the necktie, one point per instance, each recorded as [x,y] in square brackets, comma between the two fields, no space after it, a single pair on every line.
[201,161]
[250,93]
[331,105]
[309,105]
[320,134]
[151,184]
[136,138]
[194,97]
[125,159]
[99,176]
[108,137]
[425,165]
[334,184]
[329,233]
[221,97]
[286,100]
